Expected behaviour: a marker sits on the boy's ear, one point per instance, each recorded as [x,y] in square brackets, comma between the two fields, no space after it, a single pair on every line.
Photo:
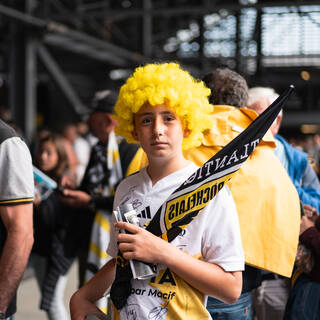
[186,133]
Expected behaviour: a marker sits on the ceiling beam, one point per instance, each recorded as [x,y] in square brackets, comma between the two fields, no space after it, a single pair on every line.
[120,14]
[117,53]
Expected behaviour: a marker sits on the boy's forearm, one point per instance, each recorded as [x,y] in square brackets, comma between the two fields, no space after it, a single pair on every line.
[206,277]
[82,301]
[95,288]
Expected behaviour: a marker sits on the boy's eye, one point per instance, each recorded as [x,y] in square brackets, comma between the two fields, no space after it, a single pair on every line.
[146,120]
[169,118]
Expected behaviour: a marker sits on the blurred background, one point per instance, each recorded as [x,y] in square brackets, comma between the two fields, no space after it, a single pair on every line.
[54,54]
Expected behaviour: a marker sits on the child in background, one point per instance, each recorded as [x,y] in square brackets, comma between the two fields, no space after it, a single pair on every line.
[51,222]
[164,109]
[51,156]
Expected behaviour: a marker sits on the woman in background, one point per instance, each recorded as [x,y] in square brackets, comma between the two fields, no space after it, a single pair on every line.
[50,258]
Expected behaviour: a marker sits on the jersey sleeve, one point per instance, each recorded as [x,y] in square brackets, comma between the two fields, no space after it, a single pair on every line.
[221,242]
[16,183]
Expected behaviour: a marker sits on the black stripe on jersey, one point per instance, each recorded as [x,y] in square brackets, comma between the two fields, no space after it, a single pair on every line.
[145,213]
[148,212]
[16,201]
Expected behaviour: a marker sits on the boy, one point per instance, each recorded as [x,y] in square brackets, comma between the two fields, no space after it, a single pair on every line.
[164,109]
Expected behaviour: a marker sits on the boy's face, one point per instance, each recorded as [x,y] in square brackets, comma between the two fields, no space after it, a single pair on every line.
[159,131]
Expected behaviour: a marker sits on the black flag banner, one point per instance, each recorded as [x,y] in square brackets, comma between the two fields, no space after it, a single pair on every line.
[186,202]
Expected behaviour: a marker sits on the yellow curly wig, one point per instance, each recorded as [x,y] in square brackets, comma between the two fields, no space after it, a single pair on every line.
[165,83]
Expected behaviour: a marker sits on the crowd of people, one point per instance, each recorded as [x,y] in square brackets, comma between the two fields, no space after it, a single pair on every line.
[251,253]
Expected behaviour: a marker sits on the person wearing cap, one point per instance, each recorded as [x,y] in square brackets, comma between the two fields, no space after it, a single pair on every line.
[111,157]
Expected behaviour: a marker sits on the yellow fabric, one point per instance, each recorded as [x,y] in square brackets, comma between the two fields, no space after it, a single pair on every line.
[102,221]
[95,248]
[267,201]
[138,162]
[295,276]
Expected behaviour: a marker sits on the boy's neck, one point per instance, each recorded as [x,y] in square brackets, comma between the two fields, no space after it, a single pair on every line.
[159,169]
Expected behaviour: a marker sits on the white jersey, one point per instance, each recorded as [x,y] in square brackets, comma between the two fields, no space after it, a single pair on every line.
[213,236]
[16,184]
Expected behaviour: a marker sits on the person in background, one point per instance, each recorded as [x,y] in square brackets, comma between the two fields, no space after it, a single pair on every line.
[81,148]
[294,160]
[264,195]
[271,297]
[69,133]
[52,224]
[109,162]
[51,156]
[16,229]
[304,297]
[315,153]
[84,132]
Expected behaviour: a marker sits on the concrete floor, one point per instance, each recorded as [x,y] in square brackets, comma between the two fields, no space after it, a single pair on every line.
[29,295]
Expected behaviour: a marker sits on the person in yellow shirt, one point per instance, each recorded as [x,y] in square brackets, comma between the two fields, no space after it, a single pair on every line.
[265,197]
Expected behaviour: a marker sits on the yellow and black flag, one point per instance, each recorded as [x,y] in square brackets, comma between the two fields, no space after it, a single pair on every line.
[186,202]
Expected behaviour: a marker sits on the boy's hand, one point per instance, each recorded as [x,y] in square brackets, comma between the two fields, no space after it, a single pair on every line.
[141,244]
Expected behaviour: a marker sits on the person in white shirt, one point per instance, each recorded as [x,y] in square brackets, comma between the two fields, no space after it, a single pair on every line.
[164,109]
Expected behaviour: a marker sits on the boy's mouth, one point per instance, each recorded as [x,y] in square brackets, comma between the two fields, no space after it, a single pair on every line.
[158,143]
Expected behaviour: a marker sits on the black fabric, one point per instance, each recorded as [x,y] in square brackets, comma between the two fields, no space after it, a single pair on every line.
[103,202]
[251,278]
[271,276]
[55,238]
[121,286]
[97,175]
[53,217]
[6,132]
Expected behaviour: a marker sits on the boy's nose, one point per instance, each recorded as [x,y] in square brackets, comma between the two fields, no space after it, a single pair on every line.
[158,128]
